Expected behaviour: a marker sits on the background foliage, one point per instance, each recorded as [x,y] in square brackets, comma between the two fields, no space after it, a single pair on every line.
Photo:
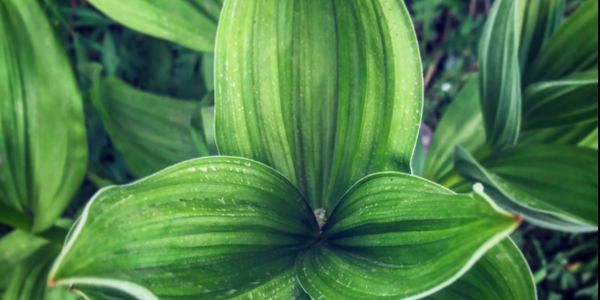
[565,265]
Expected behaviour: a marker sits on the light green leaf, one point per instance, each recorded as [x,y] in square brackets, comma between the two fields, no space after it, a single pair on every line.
[43,147]
[209,228]
[501,274]
[461,124]
[395,236]
[591,140]
[150,131]
[324,91]
[552,186]
[499,76]
[573,48]
[14,247]
[571,100]
[28,281]
[190,23]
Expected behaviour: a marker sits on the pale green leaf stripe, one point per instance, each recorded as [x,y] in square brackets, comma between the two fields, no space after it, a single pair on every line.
[500,79]
[187,231]
[573,99]
[501,274]
[190,23]
[540,20]
[43,147]
[398,236]
[324,91]
[552,186]
[152,132]
[461,124]
[559,57]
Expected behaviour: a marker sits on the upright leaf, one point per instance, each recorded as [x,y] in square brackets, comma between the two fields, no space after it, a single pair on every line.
[501,274]
[191,23]
[552,186]
[151,131]
[573,48]
[461,124]
[43,149]
[395,236]
[210,228]
[500,77]
[540,20]
[324,91]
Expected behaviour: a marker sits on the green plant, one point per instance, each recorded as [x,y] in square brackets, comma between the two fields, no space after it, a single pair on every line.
[323,101]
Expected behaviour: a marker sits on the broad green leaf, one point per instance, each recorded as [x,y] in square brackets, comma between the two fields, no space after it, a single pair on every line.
[567,101]
[150,131]
[209,228]
[43,148]
[501,274]
[14,247]
[574,134]
[396,236]
[190,23]
[573,48]
[499,76]
[28,282]
[540,20]
[326,92]
[461,124]
[552,186]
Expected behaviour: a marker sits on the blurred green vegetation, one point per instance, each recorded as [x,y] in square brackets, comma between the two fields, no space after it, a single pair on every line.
[565,265]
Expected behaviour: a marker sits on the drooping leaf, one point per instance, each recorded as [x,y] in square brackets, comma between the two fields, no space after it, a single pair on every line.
[461,124]
[552,186]
[191,23]
[43,149]
[397,236]
[150,131]
[501,274]
[499,76]
[573,48]
[324,91]
[571,100]
[210,228]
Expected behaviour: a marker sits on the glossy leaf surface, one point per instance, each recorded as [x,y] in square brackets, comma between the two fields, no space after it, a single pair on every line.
[501,274]
[396,236]
[500,77]
[191,23]
[150,131]
[326,92]
[210,228]
[43,148]
[552,186]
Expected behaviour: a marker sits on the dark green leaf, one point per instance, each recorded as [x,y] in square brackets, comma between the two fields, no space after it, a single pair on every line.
[150,131]
[540,20]
[553,186]
[43,152]
[499,76]
[398,236]
[501,274]
[324,91]
[209,228]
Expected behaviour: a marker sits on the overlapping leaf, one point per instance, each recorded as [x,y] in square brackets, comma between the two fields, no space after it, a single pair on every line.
[553,186]
[500,76]
[501,274]
[324,91]
[396,236]
[210,228]
[191,23]
[461,124]
[43,152]
[151,131]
